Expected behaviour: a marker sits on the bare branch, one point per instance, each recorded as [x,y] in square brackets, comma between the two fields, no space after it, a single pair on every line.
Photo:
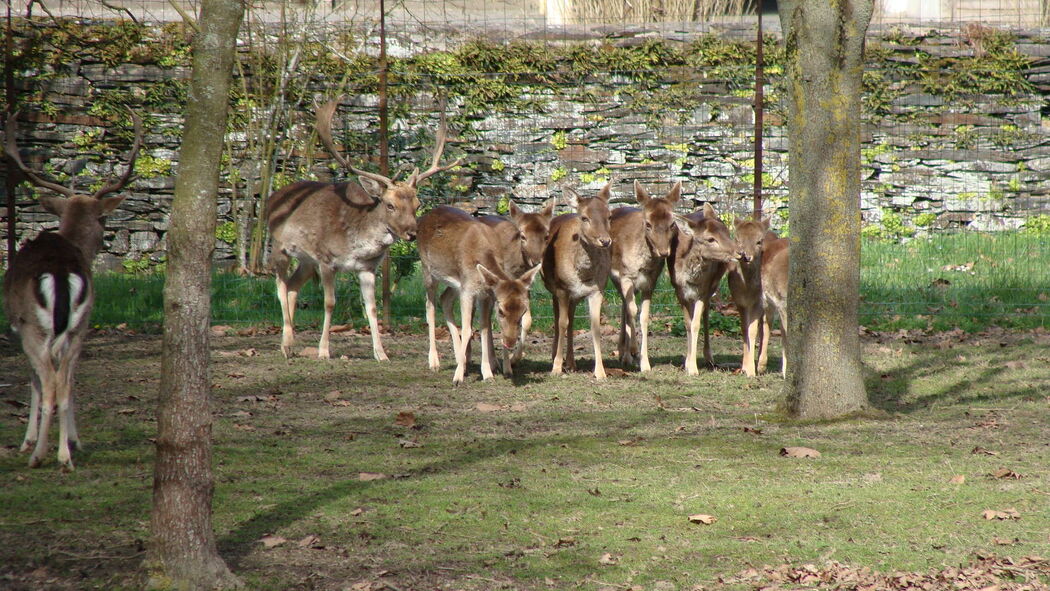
[123,180]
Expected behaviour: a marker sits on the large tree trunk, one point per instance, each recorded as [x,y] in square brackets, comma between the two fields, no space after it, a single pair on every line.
[825,50]
[182,552]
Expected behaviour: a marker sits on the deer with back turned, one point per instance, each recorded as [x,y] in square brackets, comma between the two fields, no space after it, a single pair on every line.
[48,296]
[641,244]
[346,226]
[467,254]
[576,264]
[700,253]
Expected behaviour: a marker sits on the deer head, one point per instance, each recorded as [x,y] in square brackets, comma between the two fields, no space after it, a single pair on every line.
[80,215]
[533,231]
[708,234]
[512,301]
[396,200]
[659,217]
[594,217]
[750,235]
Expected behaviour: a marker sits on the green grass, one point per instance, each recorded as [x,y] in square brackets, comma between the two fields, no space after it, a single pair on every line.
[970,281]
[532,489]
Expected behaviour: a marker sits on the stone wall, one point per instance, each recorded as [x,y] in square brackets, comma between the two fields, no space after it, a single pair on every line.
[973,161]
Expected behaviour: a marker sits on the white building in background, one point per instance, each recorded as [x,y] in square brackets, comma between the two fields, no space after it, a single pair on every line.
[1028,13]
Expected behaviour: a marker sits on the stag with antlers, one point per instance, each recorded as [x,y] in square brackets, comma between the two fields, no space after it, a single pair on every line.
[48,295]
[347,226]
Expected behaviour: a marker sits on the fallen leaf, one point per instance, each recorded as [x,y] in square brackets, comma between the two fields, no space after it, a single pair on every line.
[981,450]
[799,452]
[615,372]
[1005,542]
[309,541]
[342,403]
[608,559]
[486,407]
[357,512]
[371,476]
[308,352]
[408,443]
[563,542]
[218,330]
[752,430]
[405,419]
[957,479]
[126,411]
[630,442]
[1015,365]
[333,396]
[243,427]
[1010,513]
[1006,473]
[341,328]
[702,518]
[272,541]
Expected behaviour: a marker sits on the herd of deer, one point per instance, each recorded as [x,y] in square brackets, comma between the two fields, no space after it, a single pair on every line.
[488,261]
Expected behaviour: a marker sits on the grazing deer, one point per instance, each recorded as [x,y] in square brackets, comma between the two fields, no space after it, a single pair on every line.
[745,287]
[576,265]
[641,243]
[48,295]
[467,254]
[522,239]
[775,257]
[348,226]
[700,252]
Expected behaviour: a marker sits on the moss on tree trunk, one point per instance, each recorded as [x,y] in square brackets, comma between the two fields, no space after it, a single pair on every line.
[824,44]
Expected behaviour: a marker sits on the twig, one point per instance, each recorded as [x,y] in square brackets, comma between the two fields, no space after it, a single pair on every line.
[189,20]
[120,9]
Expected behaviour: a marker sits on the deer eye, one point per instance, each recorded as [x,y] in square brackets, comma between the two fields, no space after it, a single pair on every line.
[648,226]
[502,312]
[711,240]
[390,206]
[585,219]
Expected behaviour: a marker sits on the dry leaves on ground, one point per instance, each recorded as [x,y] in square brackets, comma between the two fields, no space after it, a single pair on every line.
[799,452]
[702,518]
[1010,513]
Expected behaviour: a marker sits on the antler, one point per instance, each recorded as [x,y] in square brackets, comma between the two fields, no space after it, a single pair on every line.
[324,131]
[439,148]
[136,145]
[11,149]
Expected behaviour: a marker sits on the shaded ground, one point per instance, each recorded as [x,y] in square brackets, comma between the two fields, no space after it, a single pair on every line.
[350,474]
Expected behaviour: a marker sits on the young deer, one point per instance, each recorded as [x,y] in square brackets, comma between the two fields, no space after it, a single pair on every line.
[457,249]
[522,239]
[576,265]
[775,257]
[48,295]
[348,226]
[700,253]
[745,286]
[641,243]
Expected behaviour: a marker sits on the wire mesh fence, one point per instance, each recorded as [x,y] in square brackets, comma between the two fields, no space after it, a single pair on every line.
[548,95]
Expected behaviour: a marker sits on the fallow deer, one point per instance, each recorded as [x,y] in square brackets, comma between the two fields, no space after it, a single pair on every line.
[576,264]
[641,244]
[745,287]
[467,254]
[347,226]
[775,257]
[48,296]
[700,252]
[522,239]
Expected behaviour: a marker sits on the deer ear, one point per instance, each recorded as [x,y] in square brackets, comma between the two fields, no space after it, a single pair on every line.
[572,198]
[765,224]
[55,205]
[373,192]
[709,212]
[528,276]
[111,203]
[515,212]
[491,279]
[605,192]
[548,212]
[675,193]
[683,224]
[640,194]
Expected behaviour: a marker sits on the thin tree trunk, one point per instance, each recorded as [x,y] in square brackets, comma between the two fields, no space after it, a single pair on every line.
[825,50]
[182,553]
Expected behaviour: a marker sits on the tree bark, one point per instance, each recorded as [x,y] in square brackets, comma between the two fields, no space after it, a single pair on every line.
[182,553]
[824,44]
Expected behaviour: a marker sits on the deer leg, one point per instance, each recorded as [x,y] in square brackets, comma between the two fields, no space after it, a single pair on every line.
[49,387]
[570,324]
[594,306]
[693,318]
[519,349]
[782,312]
[560,328]
[447,300]
[32,429]
[628,329]
[643,332]
[328,283]
[287,293]
[466,309]
[433,360]
[763,351]
[64,395]
[485,326]
[705,313]
[367,279]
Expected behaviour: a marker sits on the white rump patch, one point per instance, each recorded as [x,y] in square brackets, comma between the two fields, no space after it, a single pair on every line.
[45,316]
